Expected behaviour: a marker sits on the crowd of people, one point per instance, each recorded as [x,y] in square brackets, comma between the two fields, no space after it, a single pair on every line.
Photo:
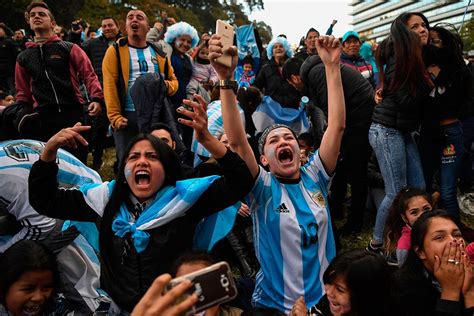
[247,163]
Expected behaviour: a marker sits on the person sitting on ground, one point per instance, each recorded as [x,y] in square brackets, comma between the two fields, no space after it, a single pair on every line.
[356,283]
[437,277]
[407,207]
[293,237]
[148,215]
[29,282]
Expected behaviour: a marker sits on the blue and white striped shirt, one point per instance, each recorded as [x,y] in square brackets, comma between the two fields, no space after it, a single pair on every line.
[293,236]
[142,61]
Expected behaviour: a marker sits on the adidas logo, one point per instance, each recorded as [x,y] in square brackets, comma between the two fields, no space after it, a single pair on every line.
[282,209]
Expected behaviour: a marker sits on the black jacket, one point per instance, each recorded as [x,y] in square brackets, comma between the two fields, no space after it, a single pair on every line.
[95,50]
[417,296]
[358,93]
[400,109]
[132,274]
[272,83]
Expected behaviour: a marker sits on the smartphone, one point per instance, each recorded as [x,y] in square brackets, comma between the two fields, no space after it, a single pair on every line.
[213,285]
[226,32]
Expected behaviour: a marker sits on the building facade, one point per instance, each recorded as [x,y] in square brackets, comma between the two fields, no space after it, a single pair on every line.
[372,18]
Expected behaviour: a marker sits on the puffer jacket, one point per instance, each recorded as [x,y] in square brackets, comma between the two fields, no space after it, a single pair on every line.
[400,109]
[95,50]
[358,93]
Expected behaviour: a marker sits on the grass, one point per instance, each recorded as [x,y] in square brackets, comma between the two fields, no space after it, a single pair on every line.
[349,242]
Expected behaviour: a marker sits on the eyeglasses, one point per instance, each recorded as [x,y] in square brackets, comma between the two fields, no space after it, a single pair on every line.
[436,41]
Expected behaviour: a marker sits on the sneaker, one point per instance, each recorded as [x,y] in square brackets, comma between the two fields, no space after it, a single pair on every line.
[378,249]
[391,259]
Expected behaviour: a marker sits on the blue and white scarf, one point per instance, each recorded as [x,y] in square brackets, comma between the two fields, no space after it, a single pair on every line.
[170,203]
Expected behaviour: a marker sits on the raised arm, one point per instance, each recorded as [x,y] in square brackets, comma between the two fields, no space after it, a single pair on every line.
[198,122]
[233,125]
[44,193]
[329,50]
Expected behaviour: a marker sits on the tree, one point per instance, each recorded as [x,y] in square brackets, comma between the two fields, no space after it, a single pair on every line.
[13,13]
[467,35]
[64,12]
[265,32]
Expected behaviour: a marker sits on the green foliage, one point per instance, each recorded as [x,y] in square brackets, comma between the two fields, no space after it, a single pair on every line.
[64,11]
[265,32]
[467,35]
[201,14]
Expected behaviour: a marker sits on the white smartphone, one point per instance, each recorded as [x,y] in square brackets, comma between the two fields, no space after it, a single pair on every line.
[226,32]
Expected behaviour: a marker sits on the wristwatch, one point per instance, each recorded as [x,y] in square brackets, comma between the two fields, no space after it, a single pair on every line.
[227,84]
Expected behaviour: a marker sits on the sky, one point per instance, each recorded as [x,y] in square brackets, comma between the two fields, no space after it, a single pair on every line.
[295,17]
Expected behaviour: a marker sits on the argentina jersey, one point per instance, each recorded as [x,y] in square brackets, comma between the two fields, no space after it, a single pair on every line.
[16,160]
[142,61]
[293,236]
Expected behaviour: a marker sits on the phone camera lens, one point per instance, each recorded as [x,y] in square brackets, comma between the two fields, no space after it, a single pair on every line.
[224,281]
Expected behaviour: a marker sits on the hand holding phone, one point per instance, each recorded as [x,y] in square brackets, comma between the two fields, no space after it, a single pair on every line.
[213,285]
[155,302]
[226,32]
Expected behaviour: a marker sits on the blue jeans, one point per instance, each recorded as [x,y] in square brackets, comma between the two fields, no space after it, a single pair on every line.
[451,159]
[400,166]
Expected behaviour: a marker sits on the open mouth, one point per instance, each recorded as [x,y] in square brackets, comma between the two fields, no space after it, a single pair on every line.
[142,178]
[285,156]
[31,309]
[134,27]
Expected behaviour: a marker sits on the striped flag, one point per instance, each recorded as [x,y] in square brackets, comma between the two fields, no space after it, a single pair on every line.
[270,112]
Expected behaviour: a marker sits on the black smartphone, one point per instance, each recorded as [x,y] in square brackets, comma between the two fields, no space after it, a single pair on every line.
[213,285]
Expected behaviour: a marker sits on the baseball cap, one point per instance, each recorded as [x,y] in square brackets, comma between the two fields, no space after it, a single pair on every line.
[349,34]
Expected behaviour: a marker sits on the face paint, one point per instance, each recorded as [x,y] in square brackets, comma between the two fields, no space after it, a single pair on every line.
[128,172]
[179,43]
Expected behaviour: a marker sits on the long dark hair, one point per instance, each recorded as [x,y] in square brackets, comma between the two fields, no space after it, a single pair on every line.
[405,46]
[121,190]
[449,57]
[25,256]
[395,223]
[413,267]
[368,279]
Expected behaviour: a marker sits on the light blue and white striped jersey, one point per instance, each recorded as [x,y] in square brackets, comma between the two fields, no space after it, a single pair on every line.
[142,61]
[215,125]
[16,159]
[293,236]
